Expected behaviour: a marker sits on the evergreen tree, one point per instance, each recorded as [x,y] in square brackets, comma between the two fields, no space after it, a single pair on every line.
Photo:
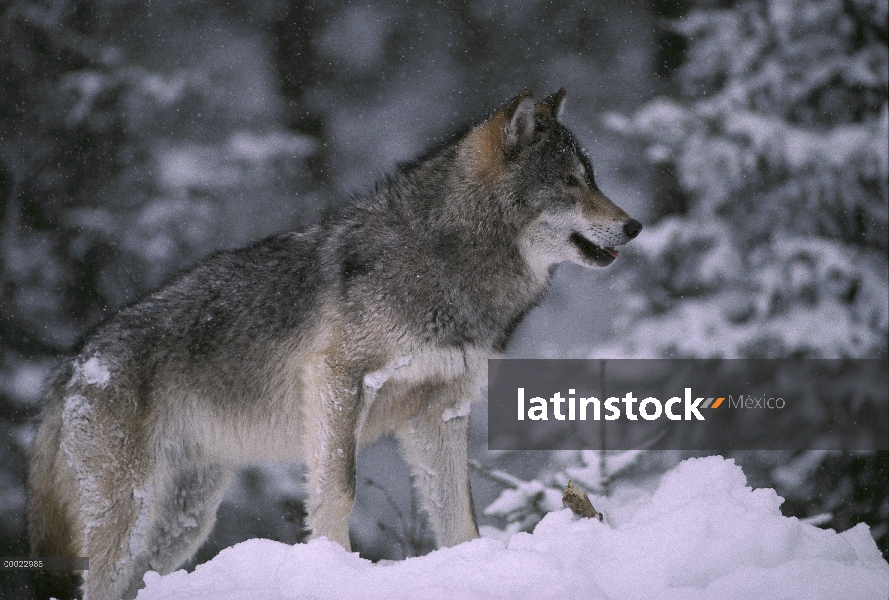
[777,139]
[778,144]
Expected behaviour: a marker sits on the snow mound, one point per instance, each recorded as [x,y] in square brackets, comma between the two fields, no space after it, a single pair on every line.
[703,534]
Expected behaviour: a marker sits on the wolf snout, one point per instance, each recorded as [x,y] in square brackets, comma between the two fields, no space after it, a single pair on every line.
[632,228]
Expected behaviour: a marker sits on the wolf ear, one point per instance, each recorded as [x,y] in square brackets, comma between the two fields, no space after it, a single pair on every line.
[553,105]
[491,145]
[519,128]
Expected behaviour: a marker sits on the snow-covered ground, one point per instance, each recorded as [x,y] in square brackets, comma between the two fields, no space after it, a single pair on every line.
[702,534]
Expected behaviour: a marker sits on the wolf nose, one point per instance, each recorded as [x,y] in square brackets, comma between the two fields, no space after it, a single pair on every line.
[632,228]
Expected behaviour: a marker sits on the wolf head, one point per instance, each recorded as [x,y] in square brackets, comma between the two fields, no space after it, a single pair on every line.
[544,179]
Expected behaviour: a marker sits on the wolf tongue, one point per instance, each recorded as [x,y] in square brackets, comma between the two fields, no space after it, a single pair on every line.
[611,251]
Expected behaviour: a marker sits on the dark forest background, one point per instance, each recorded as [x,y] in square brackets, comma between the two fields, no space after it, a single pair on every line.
[750,137]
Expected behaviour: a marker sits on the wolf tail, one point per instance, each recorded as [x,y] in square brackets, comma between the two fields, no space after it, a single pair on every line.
[50,527]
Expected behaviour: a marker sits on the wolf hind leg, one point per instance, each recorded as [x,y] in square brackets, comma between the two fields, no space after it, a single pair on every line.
[176,513]
[435,444]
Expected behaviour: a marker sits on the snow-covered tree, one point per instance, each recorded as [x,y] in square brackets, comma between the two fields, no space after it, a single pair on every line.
[778,142]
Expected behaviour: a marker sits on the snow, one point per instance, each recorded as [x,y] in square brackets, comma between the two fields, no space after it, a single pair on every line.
[94,372]
[798,146]
[24,380]
[143,520]
[592,476]
[462,410]
[76,438]
[258,148]
[514,501]
[702,534]
[166,90]
[194,166]
[377,379]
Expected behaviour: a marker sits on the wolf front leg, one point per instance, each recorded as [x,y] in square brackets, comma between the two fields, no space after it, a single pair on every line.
[436,445]
[331,411]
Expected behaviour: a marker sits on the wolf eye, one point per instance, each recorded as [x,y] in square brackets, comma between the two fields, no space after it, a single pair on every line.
[570,180]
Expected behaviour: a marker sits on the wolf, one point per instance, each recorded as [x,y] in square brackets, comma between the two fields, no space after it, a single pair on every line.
[308,345]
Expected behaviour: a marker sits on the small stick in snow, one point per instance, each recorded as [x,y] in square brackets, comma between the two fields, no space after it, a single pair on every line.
[576,499]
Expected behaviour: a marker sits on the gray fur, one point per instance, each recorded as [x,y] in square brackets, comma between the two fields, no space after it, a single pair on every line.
[307,345]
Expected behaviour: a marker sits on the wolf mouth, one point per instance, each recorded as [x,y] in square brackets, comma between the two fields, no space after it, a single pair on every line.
[601,255]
